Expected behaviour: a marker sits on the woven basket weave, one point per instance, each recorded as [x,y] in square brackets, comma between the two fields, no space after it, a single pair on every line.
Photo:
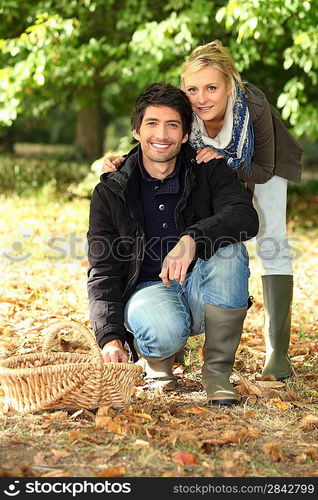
[56,380]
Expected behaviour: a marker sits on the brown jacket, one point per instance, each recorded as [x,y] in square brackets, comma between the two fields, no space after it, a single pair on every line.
[276,151]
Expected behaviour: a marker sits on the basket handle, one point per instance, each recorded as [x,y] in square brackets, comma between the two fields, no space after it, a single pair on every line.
[51,333]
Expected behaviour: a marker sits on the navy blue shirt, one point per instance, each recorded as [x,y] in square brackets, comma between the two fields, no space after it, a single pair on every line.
[159,199]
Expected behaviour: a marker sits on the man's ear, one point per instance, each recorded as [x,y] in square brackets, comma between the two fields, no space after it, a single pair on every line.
[185,138]
[136,135]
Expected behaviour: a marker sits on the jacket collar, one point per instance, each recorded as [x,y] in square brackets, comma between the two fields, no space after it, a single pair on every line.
[128,173]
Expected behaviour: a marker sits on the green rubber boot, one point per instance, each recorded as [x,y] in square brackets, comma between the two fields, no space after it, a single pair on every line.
[277,297]
[223,330]
[159,373]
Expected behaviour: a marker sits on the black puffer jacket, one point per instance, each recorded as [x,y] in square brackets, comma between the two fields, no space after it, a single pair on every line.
[213,207]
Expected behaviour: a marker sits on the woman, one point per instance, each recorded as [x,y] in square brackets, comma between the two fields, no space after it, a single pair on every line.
[235,120]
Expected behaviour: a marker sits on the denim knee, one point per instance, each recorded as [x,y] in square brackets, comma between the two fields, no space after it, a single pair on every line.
[158,341]
[225,277]
[159,322]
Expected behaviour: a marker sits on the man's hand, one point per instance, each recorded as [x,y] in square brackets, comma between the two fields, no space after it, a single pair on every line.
[113,352]
[206,154]
[177,261]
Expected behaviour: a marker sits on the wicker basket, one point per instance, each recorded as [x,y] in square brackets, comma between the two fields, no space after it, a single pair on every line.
[55,380]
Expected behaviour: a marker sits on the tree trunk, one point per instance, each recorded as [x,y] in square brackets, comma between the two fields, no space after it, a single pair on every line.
[89,128]
[7,141]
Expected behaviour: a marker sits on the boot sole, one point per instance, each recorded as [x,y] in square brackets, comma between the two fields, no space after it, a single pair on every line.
[223,402]
[279,379]
[161,385]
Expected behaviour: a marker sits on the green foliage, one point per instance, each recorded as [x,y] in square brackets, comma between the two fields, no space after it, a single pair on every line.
[282,35]
[29,176]
[302,206]
[56,128]
[71,55]
[84,188]
[310,155]
[66,49]
[158,48]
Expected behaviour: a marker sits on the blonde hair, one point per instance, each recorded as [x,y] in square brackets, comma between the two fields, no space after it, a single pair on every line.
[215,55]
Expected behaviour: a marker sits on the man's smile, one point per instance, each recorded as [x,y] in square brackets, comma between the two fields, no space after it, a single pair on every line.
[160,145]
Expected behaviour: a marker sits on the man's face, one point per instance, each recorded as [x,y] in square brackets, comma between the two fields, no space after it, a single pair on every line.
[160,137]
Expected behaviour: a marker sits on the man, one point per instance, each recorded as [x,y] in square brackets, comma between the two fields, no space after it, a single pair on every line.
[165,253]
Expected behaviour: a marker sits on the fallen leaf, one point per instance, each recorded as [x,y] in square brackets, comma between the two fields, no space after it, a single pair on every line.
[311,376]
[57,416]
[58,454]
[103,411]
[251,400]
[11,301]
[16,441]
[89,414]
[311,453]
[76,414]
[248,387]
[249,414]
[141,442]
[207,444]
[148,434]
[185,458]
[184,437]
[101,422]
[179,370]
[115,471]
[273,450]
[308,406]
[231,436]
[55,473]
[74,434]
[46,425]
[301,459]
[269,384]
[172,409]
[109,424]
[299,359]
[253,432]
[235,463]
[143,415]
[40,458]
[281,405]
[309,422]
[196,410]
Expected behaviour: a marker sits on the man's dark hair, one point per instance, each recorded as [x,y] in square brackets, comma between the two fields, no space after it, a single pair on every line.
[163,94]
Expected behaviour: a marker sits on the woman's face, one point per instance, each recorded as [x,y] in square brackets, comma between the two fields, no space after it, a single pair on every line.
[208,93]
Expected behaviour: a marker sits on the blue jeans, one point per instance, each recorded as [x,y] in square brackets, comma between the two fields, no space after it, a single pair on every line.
[161,318]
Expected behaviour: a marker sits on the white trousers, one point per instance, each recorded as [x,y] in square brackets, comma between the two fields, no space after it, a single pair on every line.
[272,245]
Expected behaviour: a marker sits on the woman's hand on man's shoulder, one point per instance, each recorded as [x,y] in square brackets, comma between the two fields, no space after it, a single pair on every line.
[204,155]
[107,164]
